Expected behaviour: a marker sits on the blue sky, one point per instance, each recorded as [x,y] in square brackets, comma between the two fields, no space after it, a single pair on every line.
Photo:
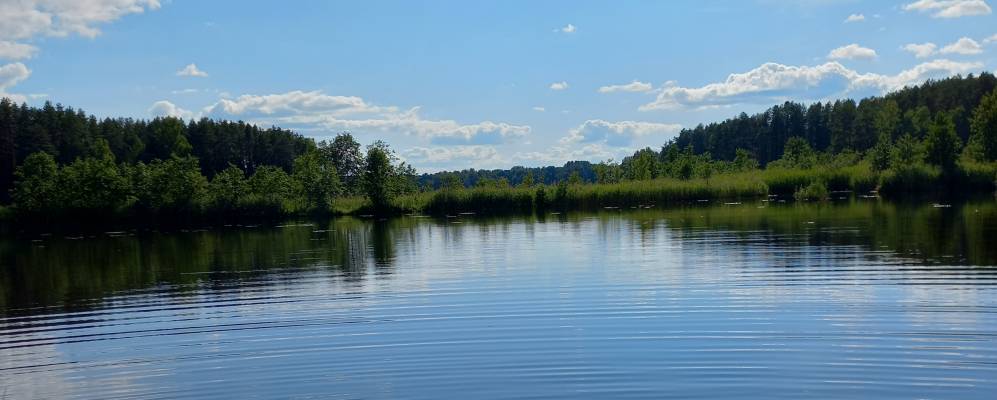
[480,84]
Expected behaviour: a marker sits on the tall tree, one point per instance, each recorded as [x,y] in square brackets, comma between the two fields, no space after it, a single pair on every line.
[8,150]
[984,126]
[943,143]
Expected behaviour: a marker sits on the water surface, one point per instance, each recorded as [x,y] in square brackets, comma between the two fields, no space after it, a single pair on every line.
[857,299]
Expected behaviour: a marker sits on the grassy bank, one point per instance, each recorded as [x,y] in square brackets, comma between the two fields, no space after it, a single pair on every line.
[494,200]
[813,184]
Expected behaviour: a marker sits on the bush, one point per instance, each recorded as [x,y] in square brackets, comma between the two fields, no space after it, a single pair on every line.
[815,191]
[915,178]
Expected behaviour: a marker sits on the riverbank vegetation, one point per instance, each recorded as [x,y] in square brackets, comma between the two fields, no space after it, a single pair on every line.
[60,164]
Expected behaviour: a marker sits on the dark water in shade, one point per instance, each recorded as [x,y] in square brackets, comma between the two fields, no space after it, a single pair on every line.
[861,299]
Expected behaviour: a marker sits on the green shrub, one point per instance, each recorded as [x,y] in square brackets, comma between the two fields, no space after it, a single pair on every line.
[915,178]
[815,191]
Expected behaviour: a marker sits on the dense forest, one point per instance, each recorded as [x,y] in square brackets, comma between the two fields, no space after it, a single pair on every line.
[940,136]
[831,128]
[60,162]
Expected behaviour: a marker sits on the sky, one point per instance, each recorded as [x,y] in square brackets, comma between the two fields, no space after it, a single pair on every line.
[480,84]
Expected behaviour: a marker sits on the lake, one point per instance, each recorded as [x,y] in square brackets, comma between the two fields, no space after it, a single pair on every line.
[860,298]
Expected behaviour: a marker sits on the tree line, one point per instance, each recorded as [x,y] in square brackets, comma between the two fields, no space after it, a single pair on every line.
[941,135]
[939,132]
[59,162]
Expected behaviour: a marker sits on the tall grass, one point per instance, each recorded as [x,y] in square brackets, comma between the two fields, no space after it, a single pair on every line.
[785,181]
[804,184]
[480,200]
[660,191]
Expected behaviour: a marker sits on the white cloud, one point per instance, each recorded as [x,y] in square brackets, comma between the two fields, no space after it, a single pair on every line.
[185,91]
[316,110]
[991,39]
[165,108]
[559,85]
[566,29]
[855,18]
[964,46]
[949,8]
[558,155]
[852,52]
[479,156]
[621,133]
[24,19]
[191,70]
[10,75]
[296,102]
[635,86]
[16,51]
[27,19]
[410,123]
[922,50]
[540,109]
[775,82]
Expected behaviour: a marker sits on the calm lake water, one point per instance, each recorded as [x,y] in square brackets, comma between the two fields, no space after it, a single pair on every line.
[858,299]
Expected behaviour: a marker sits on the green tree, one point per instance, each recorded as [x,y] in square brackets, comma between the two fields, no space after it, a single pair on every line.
[227,189]
[316,180]
[8,148]
[842,125]
[451,181]
[983,127]
[744,161]
[575,179]
[607,172]
[346,157]
[377,177]
[527,180]
[171,186]
[94,185]
[270,190]
[906,151]
[36,184]
[917,121]
[880,154]
[167,138]
[888,120]
[643,165]
[797,153]
[943,144]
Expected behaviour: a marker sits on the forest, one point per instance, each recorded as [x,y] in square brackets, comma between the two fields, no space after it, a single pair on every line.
[58,163]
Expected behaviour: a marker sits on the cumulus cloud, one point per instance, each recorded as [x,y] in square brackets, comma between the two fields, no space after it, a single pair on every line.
[635,86]
[559,85]
[165,108]
[10,75]
[621,133]
[566,29]
[991,39]
[317,110]
[478,156]
[16,51]
[558,155]
[296,102]
[191,70]
[774,82]
[964,46]
[27,19]
[922,50]
[949,8]
[24,20]
[852,52]
[855,18]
